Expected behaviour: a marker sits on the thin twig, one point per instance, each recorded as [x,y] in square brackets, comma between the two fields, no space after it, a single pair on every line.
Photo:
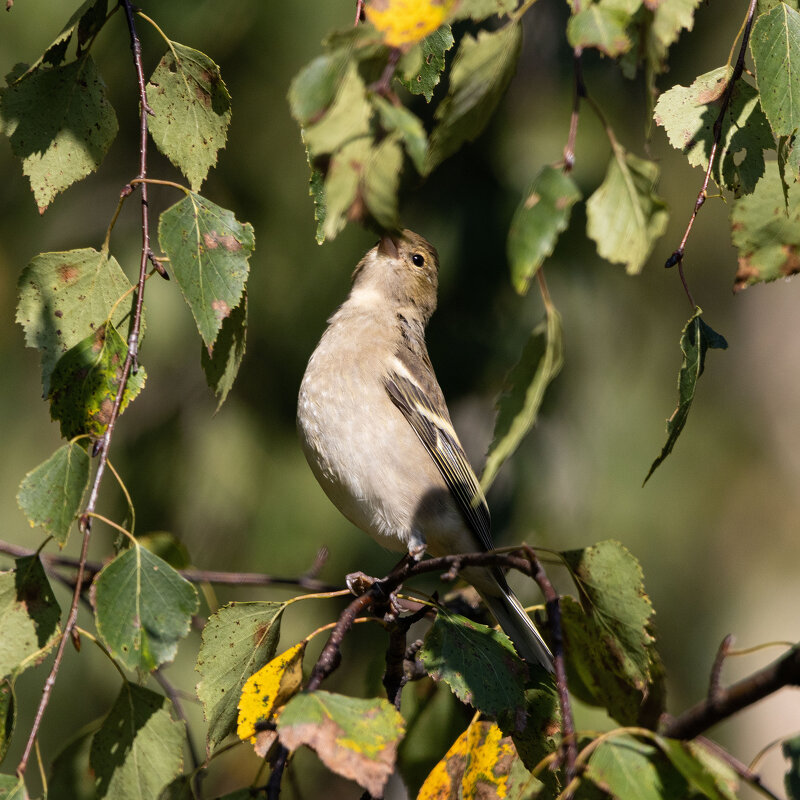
[274,782]
[727,702]
[716,668]
[568,742]
[105,442]
[91,568]
[579,92]
[742,770]
[677,256]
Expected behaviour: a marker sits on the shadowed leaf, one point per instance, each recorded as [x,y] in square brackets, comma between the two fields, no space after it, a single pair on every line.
[221,366]
[421,69]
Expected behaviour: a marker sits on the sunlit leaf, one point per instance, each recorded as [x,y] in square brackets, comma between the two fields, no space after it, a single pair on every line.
[209,250]
[481,763]
[518,407]
[30,614]
[85,383]
[421,75]
[12,788]
[267,690]
[237,641]
[478,10]
[356,738]
[139,748]
[143,608]
[191,111]
[64,297]
[480,74]
[60,125]
[697,337]
[50,495]
[704,771]
[381,182]
[688,114]
[342,199]
[478,663]
[601,27]
[399,120]
[624,215]
[405,22]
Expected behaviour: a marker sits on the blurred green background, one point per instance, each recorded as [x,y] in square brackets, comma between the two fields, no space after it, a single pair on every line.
[716,527]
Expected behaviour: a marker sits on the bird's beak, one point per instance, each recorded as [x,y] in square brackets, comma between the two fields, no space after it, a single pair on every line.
[387,246]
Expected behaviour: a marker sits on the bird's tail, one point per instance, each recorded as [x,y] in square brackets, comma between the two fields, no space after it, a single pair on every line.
[513,619]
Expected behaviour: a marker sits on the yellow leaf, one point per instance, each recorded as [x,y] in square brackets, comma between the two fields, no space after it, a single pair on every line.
[268,689]
[478,765]
[405,22]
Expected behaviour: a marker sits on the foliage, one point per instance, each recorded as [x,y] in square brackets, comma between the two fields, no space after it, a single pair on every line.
[407,88]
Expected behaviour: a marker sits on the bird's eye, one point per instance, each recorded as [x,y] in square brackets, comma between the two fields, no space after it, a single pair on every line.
[417,260]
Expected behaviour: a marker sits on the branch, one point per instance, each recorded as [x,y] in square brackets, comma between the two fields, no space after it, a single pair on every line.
[91,568]
[102,447]
[568,743]
[726,702]
[677,256]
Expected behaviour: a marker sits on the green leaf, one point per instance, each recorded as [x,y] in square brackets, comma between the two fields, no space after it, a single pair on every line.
[356,738]
[381,182]
[181,789]
[705,773]
[670,17]
[143,608]
[518,407]
[788,164]
[765,228]
[480,74]
[314,88]
[696,339]
[601,27]
[209,250]
[541,216]
[775,45]
[478,10]
[165,545]
[192,111]
[762,6]
[60,125]
[30,616]
[139,748]
[791,751]
[399,120]
[610,645]
[687,114]
[624,215]
[316,190]
[64,297]
[478,663]
[221,365]
[8,714]
[346,119]
[428,62]
[342,200]
[50,495]
[85,382]
[12,788]
[237,641]
[630,769]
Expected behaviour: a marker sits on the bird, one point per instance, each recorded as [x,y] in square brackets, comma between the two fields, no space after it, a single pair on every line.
[375,429]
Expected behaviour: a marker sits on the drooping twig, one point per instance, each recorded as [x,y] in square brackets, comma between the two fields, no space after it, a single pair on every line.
[578,93]
[727,702]
[677,256]
[396,675]
[274,782]
[102,448]
[568,743]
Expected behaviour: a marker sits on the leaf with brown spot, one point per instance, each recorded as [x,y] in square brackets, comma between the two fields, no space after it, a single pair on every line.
[209,250]
[237,641]
[85,383]
[64,296]
[353,737]
[221,364]
[482,763]
[192,110]
[765,228]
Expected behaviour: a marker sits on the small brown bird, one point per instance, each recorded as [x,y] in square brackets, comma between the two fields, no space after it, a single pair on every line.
[377,434]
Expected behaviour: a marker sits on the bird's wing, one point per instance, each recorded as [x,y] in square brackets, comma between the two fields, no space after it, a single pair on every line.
[437,435]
